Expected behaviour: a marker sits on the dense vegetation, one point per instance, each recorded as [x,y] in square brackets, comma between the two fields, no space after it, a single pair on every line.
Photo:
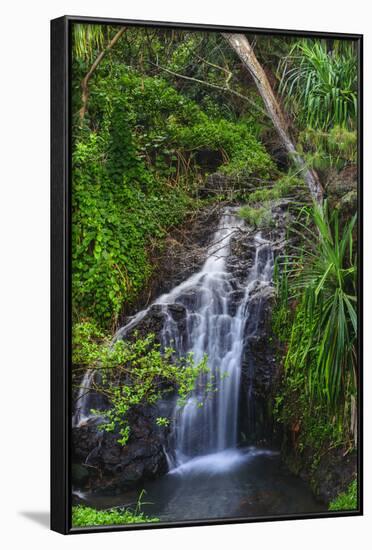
[160,111]
[136,170]
[316,313]
[318,393]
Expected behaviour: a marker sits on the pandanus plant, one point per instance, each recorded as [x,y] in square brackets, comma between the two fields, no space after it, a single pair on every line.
[322,83]
[323,278]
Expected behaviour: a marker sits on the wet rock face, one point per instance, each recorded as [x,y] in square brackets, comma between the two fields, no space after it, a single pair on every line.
[216,184]
[180,255]
[260,370]
[155,320]
[230,187]
[334,472]
[341,183]
[100,462]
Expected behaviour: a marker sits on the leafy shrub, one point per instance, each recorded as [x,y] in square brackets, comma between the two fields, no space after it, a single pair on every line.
[347,500]
[132,373]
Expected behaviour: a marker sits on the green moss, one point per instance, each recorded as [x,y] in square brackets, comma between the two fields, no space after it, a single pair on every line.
[347,500]
[84,516]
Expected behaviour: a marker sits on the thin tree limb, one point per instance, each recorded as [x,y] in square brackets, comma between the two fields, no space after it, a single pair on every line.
[85,81]
[215,86]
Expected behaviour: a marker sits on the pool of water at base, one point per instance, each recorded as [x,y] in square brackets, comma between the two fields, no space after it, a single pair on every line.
[235,483]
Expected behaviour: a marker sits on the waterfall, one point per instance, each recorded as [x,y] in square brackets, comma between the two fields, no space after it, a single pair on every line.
[217,316]
[83,399]
[209,423]
[87,399]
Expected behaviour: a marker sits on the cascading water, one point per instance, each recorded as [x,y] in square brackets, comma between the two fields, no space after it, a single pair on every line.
[208,424]
[218,312]
[83,399]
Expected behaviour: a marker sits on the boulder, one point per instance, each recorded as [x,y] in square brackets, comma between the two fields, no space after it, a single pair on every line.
[100,462]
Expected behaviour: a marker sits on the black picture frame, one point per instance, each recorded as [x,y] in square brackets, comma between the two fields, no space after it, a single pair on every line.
[61,269]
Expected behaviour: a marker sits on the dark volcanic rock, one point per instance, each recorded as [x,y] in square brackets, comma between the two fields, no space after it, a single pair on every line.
[216,184]
[341,183]
[154,320]
[260,370]
[181,254]
[100,462]
[336,468]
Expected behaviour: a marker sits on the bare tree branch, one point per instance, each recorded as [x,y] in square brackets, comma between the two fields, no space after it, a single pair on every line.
[216,86]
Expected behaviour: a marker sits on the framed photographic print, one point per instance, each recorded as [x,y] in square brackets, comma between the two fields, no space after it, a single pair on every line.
[206,274]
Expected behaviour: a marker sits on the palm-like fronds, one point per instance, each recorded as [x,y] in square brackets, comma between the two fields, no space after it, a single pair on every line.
[322,84]
[86,40]
[324,277]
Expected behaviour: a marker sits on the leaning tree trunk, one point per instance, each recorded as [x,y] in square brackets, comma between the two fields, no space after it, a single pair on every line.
[242,47]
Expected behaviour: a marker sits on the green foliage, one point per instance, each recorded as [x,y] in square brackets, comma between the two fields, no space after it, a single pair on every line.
[257,216]
[86,40]
[85,516]
[347,500]
[132,374]
[116,210]
[283,187]
[171,130]
[321,84]
[310,421]
[263,195]
[162,421]
[324,276]
[281,318]
[315,322]
[335,148]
